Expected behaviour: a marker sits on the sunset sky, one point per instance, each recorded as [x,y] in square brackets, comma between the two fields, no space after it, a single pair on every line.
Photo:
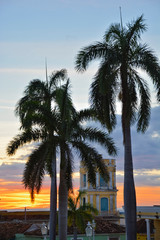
[32,30]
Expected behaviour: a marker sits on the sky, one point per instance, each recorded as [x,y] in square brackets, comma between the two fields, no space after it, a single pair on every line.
[32,30]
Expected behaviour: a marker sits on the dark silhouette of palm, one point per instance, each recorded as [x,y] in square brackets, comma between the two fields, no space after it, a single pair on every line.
[38,124]
[48,116]
[75,136]
[121,55]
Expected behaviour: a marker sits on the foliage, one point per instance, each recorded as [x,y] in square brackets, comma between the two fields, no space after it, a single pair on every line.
[48,117]
[78,214]
[122,55]
[38,123]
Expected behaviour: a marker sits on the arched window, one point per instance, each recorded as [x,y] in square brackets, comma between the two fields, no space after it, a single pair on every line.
[104,204]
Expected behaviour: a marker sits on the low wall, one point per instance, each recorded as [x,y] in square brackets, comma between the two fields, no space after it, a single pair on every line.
[119,236]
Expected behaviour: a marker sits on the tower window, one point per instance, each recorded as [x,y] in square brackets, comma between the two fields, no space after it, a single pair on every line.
[102,182]
[84,180]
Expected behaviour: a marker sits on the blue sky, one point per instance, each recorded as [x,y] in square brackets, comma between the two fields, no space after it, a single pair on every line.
[32,30]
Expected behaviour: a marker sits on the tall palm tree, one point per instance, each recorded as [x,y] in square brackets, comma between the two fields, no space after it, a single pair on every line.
[79,214]
[121,55]
[74,136]
[59,127]
[38,122]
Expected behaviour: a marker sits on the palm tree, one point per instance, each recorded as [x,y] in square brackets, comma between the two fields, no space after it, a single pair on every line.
[121,55]
[78,215]
[58,127]
[74,136]
[38,122]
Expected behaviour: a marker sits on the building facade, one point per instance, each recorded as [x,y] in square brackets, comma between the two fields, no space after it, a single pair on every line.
[104,195]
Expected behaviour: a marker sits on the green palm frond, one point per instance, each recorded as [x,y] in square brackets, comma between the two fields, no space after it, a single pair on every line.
[77,216]
[81,222]
[39,123]
[35,169]
[52,145]
[103,105]
[63,100]
[23,138]
[145,105]
[90,158]
[80,194]
[90,53]
[71,203]
[121,54]
[135,29]
[99,136]
[132,100]
[150,63]
[88,208]
[36,90]
[113,34]
[86,114]
[103,92]
[57,76]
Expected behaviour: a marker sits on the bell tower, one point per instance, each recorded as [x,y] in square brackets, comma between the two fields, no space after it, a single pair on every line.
[104,195]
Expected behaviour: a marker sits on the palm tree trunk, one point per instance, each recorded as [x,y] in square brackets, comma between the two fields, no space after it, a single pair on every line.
[53,201]
[63,201]
[129,187]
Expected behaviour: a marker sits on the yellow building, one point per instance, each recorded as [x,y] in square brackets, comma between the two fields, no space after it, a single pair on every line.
[104,195]
[148,213]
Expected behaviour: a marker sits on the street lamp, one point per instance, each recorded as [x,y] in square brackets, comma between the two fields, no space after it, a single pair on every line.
[48,225]
[89,230]
[44,230]
[93,228]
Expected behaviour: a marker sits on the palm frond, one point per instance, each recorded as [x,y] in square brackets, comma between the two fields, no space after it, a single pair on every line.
[57,76]
[135,29]
[81,221]
[113,34]
[150,63]
[86,114]
[80,194]
[88,208]
[21,139]
[89,157]
[77,216]
[52,145]
[35,169]
[36,90]
[90,53]
[98,136]
[132,99]
[145,105]
[103,104]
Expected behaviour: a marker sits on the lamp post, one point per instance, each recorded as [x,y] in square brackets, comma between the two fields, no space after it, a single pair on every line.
[89,230]
[44,230]
[48,225]
[93,228]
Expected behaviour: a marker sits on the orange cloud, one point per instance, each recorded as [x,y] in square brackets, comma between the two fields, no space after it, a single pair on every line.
[18,198]
[14,196]
[146,195]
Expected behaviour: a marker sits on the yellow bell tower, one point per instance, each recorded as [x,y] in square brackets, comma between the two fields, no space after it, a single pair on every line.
[104,195]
